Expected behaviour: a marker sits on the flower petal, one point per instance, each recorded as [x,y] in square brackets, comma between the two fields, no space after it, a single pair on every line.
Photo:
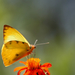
[40,72]
[34,72]
[46,65]
[21,70]
[18,68]
[23,62]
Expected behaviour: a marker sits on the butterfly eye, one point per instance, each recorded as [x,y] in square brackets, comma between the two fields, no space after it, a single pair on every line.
[30,47]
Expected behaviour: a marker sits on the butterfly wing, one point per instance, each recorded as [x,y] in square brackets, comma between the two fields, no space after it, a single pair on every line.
[9,34]
[15,46]
[13,51]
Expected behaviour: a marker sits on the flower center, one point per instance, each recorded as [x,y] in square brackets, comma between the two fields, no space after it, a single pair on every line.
[33,63]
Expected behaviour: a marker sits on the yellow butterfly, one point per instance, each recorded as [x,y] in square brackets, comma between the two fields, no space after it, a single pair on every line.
[15,46]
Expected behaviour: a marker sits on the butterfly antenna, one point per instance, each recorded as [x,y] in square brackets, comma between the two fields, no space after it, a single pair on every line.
[42,43]
[34,50]
[36,45]
[35,42]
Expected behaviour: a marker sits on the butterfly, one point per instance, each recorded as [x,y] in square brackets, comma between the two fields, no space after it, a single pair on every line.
[15,46]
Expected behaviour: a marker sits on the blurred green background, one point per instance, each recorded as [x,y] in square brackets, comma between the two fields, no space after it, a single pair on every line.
[48,21]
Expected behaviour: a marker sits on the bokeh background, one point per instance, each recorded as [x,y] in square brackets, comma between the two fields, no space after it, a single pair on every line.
[48,21]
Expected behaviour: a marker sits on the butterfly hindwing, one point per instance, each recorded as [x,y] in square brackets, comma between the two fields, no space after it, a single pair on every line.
[13,51]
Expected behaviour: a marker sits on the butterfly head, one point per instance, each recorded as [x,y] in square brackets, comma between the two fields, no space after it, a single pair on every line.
[32,47]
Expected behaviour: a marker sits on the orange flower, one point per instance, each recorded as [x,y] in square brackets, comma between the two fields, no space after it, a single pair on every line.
[33,67]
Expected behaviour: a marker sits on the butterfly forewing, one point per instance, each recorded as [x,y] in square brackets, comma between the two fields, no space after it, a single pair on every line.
[9,33]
